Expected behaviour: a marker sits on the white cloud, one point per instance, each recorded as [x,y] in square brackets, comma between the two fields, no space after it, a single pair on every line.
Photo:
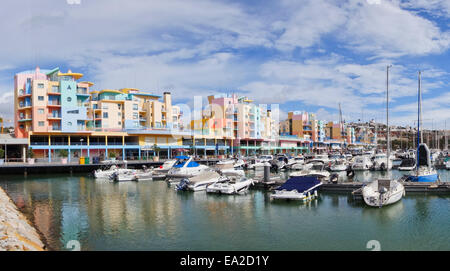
[387,30]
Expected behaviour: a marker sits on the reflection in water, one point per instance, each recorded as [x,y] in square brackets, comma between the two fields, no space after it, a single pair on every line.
[386,214]
[149,215]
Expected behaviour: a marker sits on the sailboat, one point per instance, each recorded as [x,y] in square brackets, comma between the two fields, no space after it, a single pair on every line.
[383,192]
[424,169]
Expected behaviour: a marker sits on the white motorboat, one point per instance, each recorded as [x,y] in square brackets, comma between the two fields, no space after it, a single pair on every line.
[106,173]
[297,188]
[227,168]
[407,164]
[200,181]
[315,169]
[447,164]
[383,192]
[124,176]
[237,185]
[297,163]
[380,160]
[144,174]
[339,165]
[239,163]
[161,171]
[184,167]
[322,157]
[362,163]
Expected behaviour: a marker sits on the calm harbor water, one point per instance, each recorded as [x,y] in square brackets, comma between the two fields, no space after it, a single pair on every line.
[149,215]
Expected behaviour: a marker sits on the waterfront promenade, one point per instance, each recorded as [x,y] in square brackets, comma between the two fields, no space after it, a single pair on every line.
[16,233]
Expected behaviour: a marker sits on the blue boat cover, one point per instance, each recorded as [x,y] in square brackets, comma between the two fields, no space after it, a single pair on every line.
[299,183]
[191,164]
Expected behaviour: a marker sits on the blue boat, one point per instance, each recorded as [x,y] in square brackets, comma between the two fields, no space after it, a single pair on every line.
[298,188]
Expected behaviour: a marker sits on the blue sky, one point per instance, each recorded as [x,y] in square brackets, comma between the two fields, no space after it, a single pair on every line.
[304,55]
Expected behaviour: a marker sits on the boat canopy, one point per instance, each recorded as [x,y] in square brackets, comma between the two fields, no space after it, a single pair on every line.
[299,183]
[191,164]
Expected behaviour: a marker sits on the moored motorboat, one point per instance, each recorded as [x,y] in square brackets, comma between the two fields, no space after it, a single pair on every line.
[236,185]
[161,171]
[124,176]
[313,169]
[339,165]
[227,168]
[297,188]
[200,181]
[362,162]
[185,167]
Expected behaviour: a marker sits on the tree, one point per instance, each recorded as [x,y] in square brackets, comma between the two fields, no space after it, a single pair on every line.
[30,153]
[112,154]
[156,149]
[63,153]
[2,154]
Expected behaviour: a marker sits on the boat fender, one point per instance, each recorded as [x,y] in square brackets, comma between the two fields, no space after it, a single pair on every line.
[334,178]
[350,173]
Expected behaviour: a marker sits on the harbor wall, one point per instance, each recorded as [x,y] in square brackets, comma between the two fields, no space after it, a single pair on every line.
[16,233]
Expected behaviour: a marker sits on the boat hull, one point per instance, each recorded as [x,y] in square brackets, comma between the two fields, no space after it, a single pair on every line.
[423,178]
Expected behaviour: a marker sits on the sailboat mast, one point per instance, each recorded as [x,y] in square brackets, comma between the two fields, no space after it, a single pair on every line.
[387,118]
[419,135]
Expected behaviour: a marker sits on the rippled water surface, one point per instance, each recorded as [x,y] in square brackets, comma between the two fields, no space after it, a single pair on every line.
[149,215]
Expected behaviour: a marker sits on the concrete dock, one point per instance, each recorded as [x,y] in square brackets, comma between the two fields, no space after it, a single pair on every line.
[16,233]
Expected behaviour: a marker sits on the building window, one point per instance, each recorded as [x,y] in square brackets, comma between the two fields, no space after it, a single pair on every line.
[40,85]
[69,123]
[40,98]
[41,123]
[41,111]
[73,112]
[119,114]
[119,123]
[135,106]
[135,116]
[69,99]
[105,115]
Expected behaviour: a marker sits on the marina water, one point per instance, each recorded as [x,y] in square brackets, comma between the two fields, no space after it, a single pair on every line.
[149,215]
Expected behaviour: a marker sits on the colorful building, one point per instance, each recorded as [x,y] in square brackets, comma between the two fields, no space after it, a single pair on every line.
[56,111]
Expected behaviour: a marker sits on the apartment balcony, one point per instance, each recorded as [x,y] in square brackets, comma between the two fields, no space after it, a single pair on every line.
[23,107]
[23,95]
[54,117]
[25,119]
[142,119]
[54,129]
[54,104]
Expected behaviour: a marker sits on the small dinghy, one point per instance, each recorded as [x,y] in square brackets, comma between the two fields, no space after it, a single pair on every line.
[297,188]
[383,192]
[231,186]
